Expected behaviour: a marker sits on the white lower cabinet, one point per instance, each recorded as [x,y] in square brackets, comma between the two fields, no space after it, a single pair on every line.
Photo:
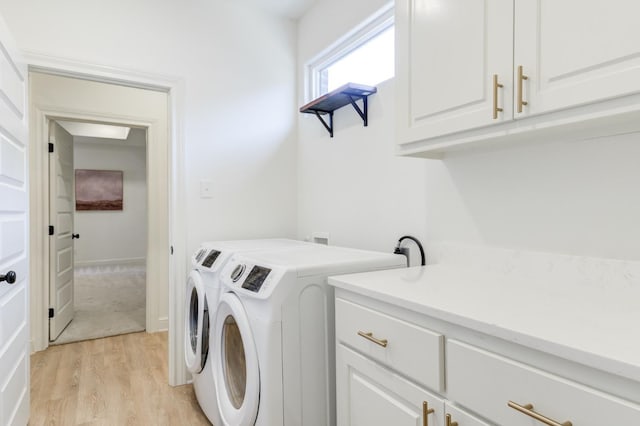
[513,393]
[369,394]
[417,376]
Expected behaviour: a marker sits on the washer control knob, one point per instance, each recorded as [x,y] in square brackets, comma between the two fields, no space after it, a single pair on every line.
[237,272]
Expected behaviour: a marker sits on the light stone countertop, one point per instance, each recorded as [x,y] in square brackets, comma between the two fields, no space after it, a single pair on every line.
[593,323]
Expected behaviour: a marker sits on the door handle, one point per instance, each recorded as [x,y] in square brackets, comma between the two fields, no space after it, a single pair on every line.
[10,277]
[75,236]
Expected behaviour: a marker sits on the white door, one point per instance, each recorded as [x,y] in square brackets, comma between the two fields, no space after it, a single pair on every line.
[14,326]
[447,53]
[61,241]
[576,52]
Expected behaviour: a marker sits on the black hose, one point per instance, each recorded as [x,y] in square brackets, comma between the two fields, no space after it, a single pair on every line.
[418,243]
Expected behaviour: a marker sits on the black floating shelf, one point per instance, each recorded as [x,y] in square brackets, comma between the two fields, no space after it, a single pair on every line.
[343,95]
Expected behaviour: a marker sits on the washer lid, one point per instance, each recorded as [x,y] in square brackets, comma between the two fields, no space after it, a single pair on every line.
[195,312]
[235,369]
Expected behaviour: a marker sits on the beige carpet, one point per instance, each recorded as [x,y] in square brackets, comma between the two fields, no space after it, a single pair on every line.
[108,301]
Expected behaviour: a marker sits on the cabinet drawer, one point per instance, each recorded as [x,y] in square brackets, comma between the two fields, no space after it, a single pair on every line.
[411,350]
[485,383]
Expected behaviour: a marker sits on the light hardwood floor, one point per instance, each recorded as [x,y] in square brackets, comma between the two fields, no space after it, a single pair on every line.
[113,381]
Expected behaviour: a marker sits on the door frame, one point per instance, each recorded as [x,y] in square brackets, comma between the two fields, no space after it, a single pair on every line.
[39,216]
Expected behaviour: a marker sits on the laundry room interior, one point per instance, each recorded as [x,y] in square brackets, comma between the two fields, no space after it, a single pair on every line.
[452,244]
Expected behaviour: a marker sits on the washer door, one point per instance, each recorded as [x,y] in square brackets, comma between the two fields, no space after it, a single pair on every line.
[196,344]
[235,363]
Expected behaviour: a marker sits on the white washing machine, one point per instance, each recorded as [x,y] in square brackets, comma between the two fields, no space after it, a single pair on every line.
[202,294]
[273,332]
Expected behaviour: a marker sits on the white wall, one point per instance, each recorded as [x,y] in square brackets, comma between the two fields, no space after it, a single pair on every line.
[576,198]
[352,185]
[238,65]
[114,237]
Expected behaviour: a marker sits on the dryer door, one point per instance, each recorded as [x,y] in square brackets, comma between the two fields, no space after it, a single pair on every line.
[196,319]
[235,363]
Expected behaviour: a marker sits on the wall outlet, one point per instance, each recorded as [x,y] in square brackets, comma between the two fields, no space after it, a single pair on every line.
[321,238]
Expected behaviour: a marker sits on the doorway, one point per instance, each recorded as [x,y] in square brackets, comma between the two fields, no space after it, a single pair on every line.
[56,98]
[97,267]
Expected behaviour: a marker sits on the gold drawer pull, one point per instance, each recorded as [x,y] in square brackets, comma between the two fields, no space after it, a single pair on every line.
[496,85]
[369,336]
[528,410]
[449,422]
[521,77]
[425,413]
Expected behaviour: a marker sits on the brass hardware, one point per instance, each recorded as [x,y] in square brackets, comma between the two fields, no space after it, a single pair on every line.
[496,85]
[521,77]
[425,413]
[528,410]
[449,422]
[369,336]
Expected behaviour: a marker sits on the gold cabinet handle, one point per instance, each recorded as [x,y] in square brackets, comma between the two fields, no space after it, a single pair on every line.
[496,85]
[521,78]
[528,410]
[369,337]
[425,413]
[449,422]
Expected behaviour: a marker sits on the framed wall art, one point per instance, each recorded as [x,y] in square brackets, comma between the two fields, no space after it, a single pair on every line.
[98,189]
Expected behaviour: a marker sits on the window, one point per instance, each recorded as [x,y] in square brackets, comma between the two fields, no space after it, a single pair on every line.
[364,56]
[369,63]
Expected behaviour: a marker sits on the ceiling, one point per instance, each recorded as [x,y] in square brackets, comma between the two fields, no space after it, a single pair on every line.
[293,9]
[104,134]
[92,130]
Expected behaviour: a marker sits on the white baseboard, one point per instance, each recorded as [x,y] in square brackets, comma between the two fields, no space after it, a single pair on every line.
[111,266]
[161,324]
[110,262]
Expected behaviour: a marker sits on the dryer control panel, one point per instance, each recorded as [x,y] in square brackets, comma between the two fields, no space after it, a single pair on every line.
[211,257]
[256,278]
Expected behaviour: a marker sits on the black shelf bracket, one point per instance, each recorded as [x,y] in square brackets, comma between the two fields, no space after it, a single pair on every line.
[329,126]
[364,112]
[350,93]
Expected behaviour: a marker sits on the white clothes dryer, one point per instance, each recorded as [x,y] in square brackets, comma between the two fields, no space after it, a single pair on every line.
[202,294]
[273,334]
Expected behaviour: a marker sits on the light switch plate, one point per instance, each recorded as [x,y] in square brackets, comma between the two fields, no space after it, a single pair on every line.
[206,190]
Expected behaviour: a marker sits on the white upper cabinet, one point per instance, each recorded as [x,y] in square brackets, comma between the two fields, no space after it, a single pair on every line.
[576,52]
[447,54]
[471,70]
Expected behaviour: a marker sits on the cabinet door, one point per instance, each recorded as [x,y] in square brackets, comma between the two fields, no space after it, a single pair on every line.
[369,394]
[461,417]
[447,52]
[576,52]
